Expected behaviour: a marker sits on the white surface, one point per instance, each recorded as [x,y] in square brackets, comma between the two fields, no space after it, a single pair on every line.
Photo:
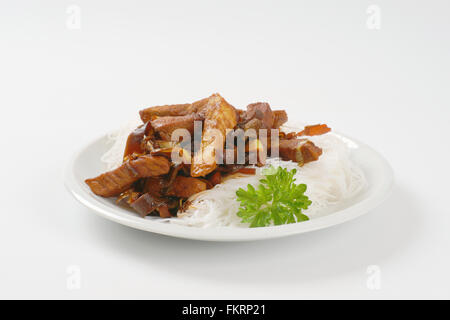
[61,88]
[87,163]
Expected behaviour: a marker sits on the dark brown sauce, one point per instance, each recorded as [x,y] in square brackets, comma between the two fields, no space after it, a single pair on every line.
[134,141]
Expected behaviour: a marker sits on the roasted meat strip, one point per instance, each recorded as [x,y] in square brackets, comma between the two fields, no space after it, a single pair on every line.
[114,182]
[219,116]
[148,203]
[184,187]
[280,118]
[164,111]
[165,126]
[301,151]
[136,139]
[261,111]
[172,110]
[155,185]
[254,124]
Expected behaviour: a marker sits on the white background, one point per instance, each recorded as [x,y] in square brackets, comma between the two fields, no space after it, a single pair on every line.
[60,88]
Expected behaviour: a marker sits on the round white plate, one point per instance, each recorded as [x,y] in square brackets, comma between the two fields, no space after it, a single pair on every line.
[86,164]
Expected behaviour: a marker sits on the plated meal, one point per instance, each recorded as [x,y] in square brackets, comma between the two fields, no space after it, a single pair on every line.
[210,164]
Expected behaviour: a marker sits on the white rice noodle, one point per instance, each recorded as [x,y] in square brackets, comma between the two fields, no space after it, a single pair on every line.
[114,156]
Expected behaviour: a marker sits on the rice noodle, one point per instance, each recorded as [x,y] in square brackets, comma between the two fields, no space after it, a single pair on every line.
[331,180]
[114,156]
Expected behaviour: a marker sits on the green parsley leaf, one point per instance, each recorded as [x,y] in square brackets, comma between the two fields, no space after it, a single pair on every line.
[277,199]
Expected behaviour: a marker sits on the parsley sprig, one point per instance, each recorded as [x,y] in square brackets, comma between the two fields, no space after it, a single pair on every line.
[276,199]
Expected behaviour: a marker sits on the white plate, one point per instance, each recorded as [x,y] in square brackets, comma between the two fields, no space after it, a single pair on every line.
[87,164]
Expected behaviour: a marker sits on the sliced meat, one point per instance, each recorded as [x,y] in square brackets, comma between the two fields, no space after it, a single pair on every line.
[147,203]
[254,124]
[219,116]
[215,178]
[164,211]
[184,187]
[155,186]
[135,141]
[170,179]
[261,111]
[114,182]
[197,106]
[280,118]
[288,136]
[249,171]
[158,186]
[150,166]
[314,130]
[172,110]
[301,151]
[310,152]
[164,111]
[165,126]
[127,197]
[240,114]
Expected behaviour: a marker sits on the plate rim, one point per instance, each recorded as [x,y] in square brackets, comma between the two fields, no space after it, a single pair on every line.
[228,234]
